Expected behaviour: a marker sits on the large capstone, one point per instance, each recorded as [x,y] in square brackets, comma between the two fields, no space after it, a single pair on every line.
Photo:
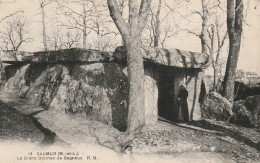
[168,57]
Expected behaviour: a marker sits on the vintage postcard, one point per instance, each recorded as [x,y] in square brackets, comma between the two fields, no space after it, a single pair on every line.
[129,81]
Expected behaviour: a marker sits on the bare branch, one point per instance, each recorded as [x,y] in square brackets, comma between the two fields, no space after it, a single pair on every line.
[117,17]
[143,13]
[240,5]
[63,6]
[8,16]
[14,35]
[197,12]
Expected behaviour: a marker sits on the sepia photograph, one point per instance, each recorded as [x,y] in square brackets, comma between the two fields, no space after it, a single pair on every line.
[130,81]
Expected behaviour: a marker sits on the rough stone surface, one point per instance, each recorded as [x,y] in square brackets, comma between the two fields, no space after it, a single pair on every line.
[169,57]
[66,55]
[86,82]
[193,82]
[246,112]
[15,55]
[97,91]
[216,107]
[151,94]
[241,115]
[44,89]
[17,83]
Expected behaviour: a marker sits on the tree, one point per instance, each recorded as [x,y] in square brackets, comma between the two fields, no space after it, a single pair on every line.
[156,24]
[131,34]
[160,26]
[234,27]
[63,39]
[100,24]
[208,10]
[43,4]
[15,34]
[214,33]
[77,19]
[9,15]
[210,30]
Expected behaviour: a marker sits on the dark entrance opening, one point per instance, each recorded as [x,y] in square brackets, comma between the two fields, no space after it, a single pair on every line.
[166,105]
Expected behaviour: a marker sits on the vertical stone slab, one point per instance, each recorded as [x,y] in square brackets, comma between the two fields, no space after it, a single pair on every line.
[193,83]
[151,94]
[203,77]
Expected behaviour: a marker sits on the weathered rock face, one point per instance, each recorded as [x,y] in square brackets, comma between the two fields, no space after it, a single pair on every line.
[246,112]
[241,115]
[194,87]
[16,82]
[97,91]
[253,105]
[151,94]
[45,87]
[169,57]
[216,107]
[15,55]
[66,55]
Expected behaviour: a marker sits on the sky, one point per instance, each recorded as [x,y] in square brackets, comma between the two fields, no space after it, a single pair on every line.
[249,58]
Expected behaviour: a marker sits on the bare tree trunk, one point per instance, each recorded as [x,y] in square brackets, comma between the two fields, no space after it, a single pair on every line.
[220,42]
[203,37]
[84,46]
[204,27]
[131,33]
[84,28]
[216,68]
[44,40]
[215,79]
[135,68]
[157,25]
[121,10]
[156,39]
[234,26]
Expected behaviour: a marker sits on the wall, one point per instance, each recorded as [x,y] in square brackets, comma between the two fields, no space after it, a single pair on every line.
[99,91]
[193,82]
[151,93]
[96,91]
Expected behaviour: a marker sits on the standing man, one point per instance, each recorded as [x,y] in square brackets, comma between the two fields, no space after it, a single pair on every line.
[183,114]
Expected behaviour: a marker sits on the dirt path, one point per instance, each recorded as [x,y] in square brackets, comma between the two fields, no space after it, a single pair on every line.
[205,141]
